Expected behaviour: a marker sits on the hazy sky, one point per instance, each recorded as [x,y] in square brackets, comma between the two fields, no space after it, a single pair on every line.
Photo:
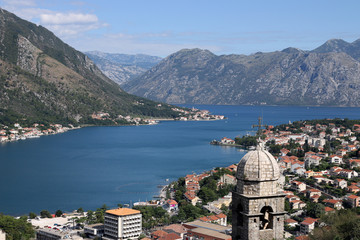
[161,27]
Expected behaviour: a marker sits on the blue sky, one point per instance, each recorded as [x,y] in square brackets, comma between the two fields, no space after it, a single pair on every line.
[159,27]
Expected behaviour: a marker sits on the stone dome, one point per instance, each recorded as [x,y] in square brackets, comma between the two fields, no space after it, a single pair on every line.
[258,165]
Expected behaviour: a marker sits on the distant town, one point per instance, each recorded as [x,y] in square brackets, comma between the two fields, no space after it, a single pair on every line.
[319,160]
[18,132]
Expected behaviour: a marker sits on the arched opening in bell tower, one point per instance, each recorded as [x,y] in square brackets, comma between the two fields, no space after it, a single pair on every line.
[240,215]
[266,219]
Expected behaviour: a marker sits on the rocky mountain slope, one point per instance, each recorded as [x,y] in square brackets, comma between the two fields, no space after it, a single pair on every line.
[43,79]
[326,76]
[122,68]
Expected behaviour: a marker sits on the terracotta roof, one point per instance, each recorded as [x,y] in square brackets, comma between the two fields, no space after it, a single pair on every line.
[221,215]
[353,187]
[308,221]
[172,202]
[328,209]
[288,192]
[159,233]
[313,190]
[340,180]
[291,221]
[204,219]
[123,211]
[302,238]
[353,197]
[170,236]
[213,218]
[178,228]
[332,201]
[297,182]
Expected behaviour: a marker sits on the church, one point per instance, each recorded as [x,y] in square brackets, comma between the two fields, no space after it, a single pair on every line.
[258,200]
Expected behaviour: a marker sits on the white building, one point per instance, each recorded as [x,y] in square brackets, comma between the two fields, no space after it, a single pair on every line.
[2,235]
[122,223]
[93,230]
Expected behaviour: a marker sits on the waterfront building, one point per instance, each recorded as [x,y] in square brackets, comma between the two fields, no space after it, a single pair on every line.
[258,201]
[122,223]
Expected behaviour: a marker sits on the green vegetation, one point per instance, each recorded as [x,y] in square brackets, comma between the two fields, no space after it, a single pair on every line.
[32,215]
[66,92]
[16,229]
[58,213]
[341,225]
[92,216]
[246,141]
[45,214]
[314,210]
[153,216]
[208,186]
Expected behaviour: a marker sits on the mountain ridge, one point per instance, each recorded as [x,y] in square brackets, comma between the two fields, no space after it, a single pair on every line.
[45,79]
[326,76]
[122,67]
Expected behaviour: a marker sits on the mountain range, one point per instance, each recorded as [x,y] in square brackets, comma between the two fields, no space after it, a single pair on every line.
[43,79]
[122,68]
[326,76]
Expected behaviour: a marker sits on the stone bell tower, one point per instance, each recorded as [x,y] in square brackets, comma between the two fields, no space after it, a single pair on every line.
[258,200]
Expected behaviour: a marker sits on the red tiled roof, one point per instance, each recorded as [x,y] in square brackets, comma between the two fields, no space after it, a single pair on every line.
[158,233]
[172,202]
[353,197]
[178,228]
[221,215]
[332,201]
[302,238]
[308,221]
[328,209]
[291,221]
[313,190]
[170,236]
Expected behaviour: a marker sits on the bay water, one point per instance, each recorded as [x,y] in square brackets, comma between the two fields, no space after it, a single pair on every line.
[93,166]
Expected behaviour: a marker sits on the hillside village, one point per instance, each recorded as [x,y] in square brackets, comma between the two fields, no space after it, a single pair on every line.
[17,132]
[319,159]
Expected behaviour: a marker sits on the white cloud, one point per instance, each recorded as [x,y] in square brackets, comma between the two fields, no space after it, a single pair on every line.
[68,18]
[73,30]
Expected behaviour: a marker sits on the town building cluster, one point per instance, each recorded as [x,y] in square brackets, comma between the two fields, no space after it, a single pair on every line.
[319,175]
[17,132]
[196,115]
[321,164]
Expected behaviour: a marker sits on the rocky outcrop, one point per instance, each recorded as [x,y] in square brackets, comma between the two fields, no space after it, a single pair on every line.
[122,68]
[43,79]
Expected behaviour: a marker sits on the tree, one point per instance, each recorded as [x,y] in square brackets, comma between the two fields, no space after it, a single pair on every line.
[120,205]
[16,228]
[207,194]
[142,236]
[45,214]
[343,224]
[315,210]
[58,213]
[80,210]
[32,215]
[306,146]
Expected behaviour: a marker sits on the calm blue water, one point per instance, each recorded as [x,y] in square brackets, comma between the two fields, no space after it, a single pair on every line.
[109,165]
